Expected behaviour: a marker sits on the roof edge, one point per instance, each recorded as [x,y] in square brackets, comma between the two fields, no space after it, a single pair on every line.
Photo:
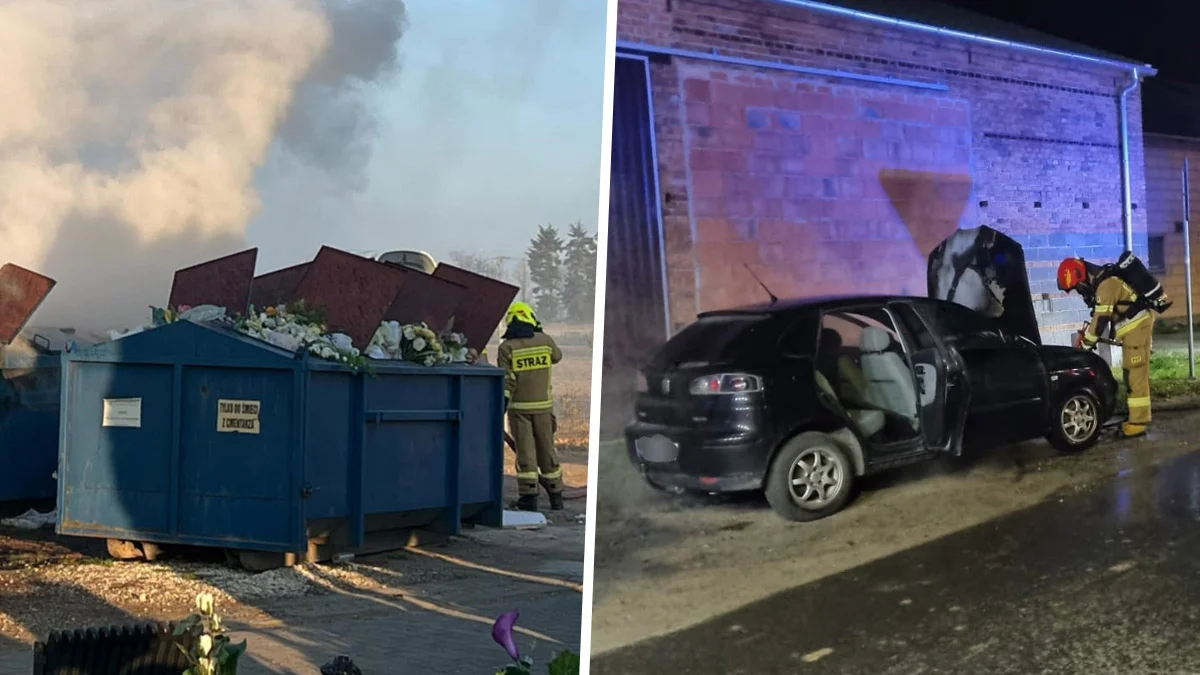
[1142,68]
[1172,137]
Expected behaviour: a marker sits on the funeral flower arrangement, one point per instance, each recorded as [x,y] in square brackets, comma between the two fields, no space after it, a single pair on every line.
[417,343]
[295,326]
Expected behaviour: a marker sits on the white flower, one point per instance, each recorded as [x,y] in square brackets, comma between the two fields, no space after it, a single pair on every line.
[429,360]
[205,644]
[410,333]
[419,344]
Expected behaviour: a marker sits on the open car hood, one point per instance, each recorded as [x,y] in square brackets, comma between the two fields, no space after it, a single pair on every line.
[21,293]
[984,269]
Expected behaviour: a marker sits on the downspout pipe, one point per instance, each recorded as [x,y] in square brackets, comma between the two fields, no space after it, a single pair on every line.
[1126,186]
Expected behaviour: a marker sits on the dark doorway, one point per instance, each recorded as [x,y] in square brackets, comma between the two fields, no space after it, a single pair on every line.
[635,313]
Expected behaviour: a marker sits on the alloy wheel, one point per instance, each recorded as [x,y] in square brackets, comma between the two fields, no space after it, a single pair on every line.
[1079,418]
[816,478]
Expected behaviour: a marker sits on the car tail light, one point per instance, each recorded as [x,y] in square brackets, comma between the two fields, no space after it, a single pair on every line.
[725,383]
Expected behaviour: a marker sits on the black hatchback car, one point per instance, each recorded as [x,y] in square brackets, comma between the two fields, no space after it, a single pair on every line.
[799,398]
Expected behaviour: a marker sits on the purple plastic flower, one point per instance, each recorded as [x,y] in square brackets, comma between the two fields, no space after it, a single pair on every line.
[502,633]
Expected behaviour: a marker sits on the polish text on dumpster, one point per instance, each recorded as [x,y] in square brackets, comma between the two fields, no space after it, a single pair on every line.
[240,417]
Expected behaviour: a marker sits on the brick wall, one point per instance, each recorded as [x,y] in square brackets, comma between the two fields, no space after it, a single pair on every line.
[1164,209]
[830,185]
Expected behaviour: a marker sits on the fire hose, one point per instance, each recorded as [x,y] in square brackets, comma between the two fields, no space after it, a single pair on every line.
[1099,340]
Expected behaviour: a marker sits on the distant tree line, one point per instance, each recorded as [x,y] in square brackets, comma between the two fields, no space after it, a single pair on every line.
[557,275]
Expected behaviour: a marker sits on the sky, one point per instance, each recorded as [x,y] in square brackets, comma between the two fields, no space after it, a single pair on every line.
[489,127]
[1158,32]
[1152,31]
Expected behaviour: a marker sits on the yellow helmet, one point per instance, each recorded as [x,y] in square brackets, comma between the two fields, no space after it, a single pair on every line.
[521,311]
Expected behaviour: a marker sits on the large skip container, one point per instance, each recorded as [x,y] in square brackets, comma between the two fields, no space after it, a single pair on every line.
[29,392]
[29,408]
[195,434]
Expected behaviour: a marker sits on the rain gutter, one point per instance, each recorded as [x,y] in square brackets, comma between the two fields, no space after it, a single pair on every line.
[827,8]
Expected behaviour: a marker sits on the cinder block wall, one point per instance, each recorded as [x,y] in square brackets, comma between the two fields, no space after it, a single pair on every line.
[829,185]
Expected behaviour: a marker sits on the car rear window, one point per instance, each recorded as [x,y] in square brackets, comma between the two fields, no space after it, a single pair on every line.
[711,339]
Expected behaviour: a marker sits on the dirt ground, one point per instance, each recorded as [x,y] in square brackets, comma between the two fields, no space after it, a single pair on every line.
[664,563]
[49,582]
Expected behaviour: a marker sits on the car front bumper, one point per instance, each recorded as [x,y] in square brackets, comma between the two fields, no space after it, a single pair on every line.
[687,459]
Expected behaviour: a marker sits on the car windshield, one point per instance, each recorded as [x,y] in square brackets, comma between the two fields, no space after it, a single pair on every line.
[710,339]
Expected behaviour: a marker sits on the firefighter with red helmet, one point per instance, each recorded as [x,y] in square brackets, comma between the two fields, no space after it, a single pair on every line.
[1119,314]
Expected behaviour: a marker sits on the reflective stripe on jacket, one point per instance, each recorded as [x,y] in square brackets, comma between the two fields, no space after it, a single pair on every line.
[526,362]
[1114,298]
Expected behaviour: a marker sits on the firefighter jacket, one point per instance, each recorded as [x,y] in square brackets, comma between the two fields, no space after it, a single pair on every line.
[526,356]
[1116,311]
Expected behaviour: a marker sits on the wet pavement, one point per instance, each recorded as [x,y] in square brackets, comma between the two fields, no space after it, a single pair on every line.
[1103,580]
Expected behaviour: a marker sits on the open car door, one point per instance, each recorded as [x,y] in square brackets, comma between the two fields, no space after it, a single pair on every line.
[984,270]
[21,293]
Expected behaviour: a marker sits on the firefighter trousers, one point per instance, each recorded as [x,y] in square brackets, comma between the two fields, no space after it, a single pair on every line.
[537,460]
[1135,354]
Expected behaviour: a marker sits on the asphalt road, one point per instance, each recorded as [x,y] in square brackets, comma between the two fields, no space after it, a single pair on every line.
[1094,580]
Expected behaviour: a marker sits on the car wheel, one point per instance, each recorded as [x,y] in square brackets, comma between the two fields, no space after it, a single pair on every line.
[810,478]
[1076,422]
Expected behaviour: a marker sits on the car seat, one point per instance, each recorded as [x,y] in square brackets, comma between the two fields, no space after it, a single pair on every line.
[869,422]
[890,382]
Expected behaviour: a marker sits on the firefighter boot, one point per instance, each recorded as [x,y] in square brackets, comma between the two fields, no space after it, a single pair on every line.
[556,501]
[1133,430]
[527,503]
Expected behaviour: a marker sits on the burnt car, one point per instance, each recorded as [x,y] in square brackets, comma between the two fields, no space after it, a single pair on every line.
[800,398]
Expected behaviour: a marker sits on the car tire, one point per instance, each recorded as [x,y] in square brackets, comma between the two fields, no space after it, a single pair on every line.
[794,483]
[1076,422]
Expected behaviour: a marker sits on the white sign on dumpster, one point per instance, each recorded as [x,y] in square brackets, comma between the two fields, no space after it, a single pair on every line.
[122,412]
[239,417]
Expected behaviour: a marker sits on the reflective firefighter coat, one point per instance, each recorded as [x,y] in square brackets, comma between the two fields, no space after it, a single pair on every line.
[526,362]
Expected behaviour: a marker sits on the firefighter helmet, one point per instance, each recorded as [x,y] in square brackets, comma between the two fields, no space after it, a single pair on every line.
[521,311]
[1071,273]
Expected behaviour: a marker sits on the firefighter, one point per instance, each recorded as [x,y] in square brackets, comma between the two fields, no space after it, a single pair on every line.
[1117,314]
[526,354]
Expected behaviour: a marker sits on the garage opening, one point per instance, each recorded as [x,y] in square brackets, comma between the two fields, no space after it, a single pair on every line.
[635,314]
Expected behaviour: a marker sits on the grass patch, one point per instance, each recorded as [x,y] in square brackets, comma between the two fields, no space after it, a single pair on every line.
[1173,327]
[1168,378]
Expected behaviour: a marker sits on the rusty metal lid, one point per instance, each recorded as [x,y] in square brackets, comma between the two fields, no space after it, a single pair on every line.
[479,313]
[354,291]
[223,282]
[21,293]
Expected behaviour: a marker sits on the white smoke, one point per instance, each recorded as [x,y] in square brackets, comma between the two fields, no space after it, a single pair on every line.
[131,131]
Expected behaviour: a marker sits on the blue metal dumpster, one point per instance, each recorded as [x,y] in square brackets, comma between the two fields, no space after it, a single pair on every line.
[29,406]
[195,434]
[29,391]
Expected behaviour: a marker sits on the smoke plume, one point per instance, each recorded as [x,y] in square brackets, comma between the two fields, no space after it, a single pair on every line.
[132,131]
